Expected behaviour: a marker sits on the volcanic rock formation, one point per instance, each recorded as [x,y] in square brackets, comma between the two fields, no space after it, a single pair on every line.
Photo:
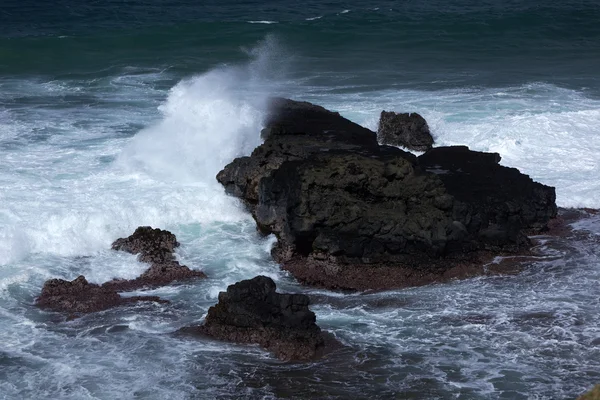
[155,246]
[409,130]
[349,213]
[251,311]
[80,297]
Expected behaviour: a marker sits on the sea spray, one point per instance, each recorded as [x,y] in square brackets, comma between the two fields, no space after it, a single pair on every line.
[164,176]
[208,120]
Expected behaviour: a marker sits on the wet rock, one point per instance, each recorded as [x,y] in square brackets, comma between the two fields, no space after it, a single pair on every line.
[593,394]
[354,207]
[294,131]
[494,203]
[409,130]
[349,213]
[80,297]
[154,246]
[159,274]
[251,311]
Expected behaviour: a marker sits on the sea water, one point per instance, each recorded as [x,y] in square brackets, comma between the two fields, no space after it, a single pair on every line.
[114,116]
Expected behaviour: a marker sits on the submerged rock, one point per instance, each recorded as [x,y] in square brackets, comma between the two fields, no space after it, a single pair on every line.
[409,130]
[349,213]
[80,297]
[251,311]
[154,246]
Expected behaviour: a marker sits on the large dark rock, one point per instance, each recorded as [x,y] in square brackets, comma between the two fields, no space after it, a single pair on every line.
[251,311]
[294,131]
[339,203]
[409,130]
[154,246]
[79,297]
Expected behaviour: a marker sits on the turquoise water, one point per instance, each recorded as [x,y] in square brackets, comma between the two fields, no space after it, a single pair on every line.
[120,114]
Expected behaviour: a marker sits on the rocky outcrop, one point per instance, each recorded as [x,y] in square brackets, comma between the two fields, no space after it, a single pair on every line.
[344,208]
[80,297]
[593,394]
[154,246]
[294,131]
[409,130]
[251,311]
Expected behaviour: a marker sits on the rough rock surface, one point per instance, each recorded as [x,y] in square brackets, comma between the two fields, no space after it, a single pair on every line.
[251,311]
[593,394]
[340,204]
[409,130]
[154,246]
[80,297]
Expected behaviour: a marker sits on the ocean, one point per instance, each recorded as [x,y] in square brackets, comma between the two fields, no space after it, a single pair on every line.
[116,114]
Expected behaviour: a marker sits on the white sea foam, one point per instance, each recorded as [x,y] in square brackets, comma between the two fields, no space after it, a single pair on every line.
[67,203]
[263,22]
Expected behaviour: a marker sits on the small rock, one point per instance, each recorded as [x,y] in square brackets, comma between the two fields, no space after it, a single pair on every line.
[251,311]
[409,130]
[158,274]
[80,297]
[154,246]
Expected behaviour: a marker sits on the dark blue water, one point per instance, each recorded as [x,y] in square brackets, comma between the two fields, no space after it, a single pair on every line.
[427,44]
[115,114]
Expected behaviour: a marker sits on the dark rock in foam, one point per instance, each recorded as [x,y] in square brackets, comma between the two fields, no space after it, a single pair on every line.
[154,246]
[251,311]
[349,213]
[409,130]
[80,297]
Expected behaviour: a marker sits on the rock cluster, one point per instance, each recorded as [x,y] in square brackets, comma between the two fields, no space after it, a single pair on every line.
[349,213]
[155,246]
[409,130]
[251,311]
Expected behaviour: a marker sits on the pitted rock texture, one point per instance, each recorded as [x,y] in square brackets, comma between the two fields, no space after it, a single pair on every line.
[154,246]
[251,311]
[409,130]
[336,200]
[80,297]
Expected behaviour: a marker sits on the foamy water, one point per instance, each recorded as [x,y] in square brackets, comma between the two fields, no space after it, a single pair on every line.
[74,178]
